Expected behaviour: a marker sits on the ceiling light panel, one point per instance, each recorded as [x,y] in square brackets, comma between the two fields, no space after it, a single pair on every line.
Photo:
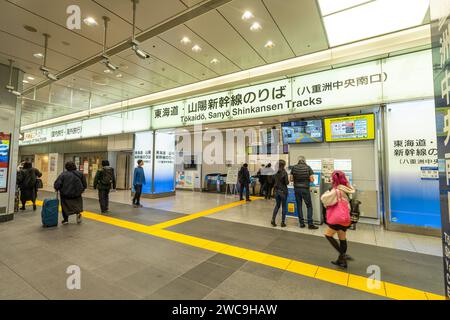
[331,6]
[374,19]
[232,13]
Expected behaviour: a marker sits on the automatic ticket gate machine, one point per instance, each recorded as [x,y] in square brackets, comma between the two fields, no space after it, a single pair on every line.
[315,190]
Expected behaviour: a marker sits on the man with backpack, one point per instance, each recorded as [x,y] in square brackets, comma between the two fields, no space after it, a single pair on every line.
[104,180]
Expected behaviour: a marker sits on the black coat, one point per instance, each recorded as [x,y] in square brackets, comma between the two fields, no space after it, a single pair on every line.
[26,180]
[244,176]
[70,184]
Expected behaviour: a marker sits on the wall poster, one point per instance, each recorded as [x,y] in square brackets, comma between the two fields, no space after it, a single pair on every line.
[5,147]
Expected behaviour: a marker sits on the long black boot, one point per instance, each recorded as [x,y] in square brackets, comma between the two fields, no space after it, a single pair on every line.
[334,243]
[343,245]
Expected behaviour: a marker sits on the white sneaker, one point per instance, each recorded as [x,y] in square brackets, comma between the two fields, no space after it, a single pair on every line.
[79,218]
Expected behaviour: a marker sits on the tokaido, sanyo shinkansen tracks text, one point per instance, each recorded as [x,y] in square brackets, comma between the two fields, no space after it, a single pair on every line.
[251,110]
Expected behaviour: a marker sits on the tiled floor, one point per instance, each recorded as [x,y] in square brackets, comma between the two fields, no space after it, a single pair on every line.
[259,213]
[117,263]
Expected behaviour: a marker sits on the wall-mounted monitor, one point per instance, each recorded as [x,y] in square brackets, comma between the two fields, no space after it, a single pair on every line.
[308,131]
[352,128]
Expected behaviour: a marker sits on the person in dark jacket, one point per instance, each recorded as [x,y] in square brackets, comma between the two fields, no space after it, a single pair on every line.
[269,181]
[303,176]
[262,180]
[104,180]
[138,182]
[71,184]
[26,181]
[244,181]
[281,192]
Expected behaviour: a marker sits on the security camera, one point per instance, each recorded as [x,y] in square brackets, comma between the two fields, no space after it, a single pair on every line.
[139,52]
[13,91]
[48,74]
[109,64]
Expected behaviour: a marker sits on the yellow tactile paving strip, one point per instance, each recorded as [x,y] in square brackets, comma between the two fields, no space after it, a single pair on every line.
[384,289]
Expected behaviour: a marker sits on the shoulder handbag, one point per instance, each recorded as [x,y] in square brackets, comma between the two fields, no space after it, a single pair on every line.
[39,183]
[339,213]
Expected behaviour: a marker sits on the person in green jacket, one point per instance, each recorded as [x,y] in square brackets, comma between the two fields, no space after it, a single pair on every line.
[104,180]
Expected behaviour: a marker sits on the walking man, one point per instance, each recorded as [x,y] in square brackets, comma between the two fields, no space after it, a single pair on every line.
[104,180]
[138,182]
[303,175]
[244,181]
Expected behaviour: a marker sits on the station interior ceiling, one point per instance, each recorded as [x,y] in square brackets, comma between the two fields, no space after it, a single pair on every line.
[188,41]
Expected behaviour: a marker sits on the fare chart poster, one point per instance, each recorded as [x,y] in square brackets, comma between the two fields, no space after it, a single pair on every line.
[143,150]
[5,146]
[413,164]
[440,37]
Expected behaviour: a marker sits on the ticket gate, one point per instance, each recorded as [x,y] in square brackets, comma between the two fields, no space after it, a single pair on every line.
[315,191]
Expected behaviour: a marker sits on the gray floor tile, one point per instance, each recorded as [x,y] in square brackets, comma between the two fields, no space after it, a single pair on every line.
[181,289]
[147,281]
[227,261]
[218,295]
[245,286]
[262,271]
[209,274]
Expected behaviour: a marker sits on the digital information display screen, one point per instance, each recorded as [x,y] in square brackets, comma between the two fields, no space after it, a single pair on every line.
[351,128]
[308,131]
[5,145]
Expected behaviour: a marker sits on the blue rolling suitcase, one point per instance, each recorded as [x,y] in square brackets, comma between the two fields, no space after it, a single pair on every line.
[49,213]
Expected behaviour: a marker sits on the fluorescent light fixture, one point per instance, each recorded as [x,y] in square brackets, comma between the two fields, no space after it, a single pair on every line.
[269,44]
[255,26]
[107,71]
[374,19]
[90,21]
[185,40]
[119,75]
[196,48]
[25,81]
[214,61]
[331,6]
[247,15]
[38,55]
[30,78]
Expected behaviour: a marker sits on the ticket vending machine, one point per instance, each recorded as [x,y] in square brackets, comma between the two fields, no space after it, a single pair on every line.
[314,189]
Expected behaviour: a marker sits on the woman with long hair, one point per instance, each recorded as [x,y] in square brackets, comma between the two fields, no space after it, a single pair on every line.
[337,202]
[281,191]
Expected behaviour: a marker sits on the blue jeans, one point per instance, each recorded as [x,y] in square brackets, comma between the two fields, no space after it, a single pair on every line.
[303,194]
[281,201]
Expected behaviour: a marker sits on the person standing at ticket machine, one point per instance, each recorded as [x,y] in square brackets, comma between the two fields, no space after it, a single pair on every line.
[302,175]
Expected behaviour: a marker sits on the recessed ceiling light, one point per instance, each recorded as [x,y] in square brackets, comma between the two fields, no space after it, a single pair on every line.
[38,55]
[25,81]
[107,71]
[269,44]
[196,48]
[90,21]
[119,75]
[214,61]
[247,15]
[260,122]
[30,78]
[185,40]
[255,26]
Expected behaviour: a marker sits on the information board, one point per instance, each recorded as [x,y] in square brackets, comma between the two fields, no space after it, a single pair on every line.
[351,128]
[5,146]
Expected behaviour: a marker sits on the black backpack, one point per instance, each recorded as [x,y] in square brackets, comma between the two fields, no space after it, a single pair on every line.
[107,176]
